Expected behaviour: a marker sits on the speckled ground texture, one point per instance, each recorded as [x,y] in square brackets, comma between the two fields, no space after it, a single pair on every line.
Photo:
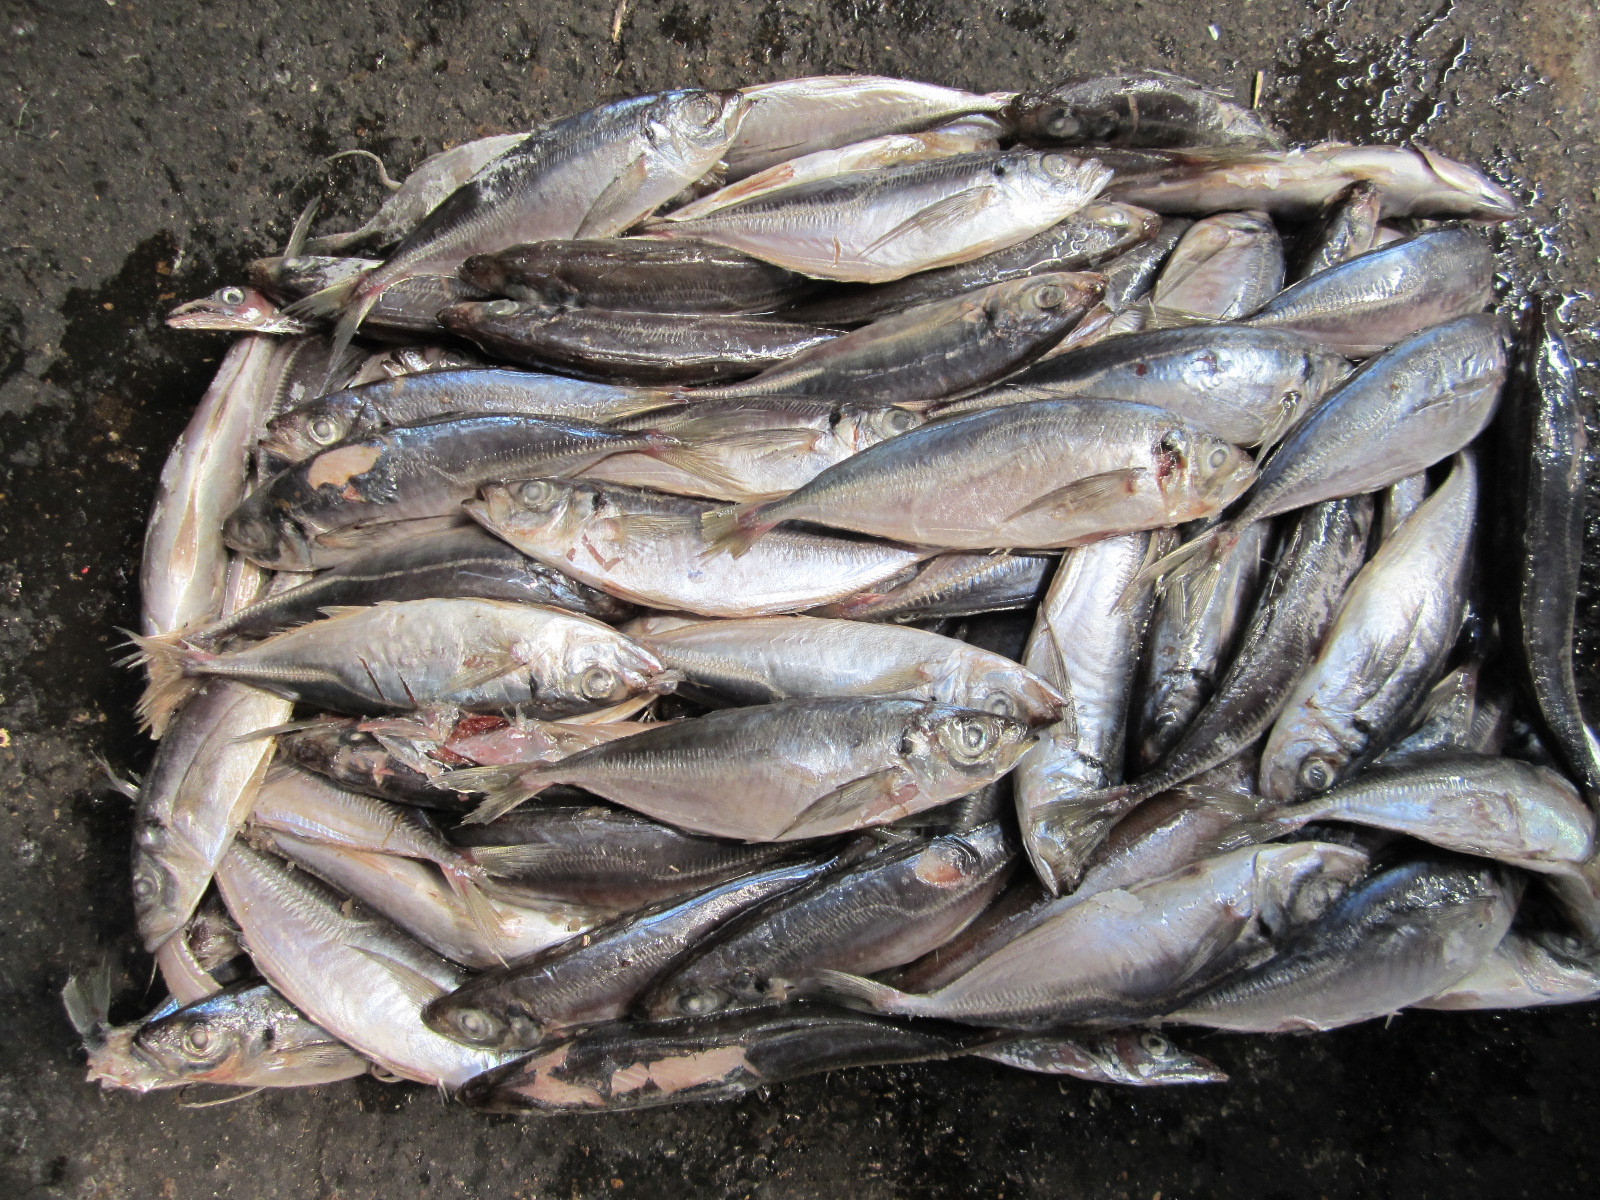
[152,147]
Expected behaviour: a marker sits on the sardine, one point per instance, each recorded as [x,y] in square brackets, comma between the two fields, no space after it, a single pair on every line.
[779,772]
[792,117]
[637,275]
[1541,533]
[1401,936]
[1524,971]
[1347,227]
[1247,386]
[367,411]
[1376,299]
[1518,813]
[878,226]
[1387,645]
[943,348]
[633,347]
[598,978]
[415,653]
[346,968]
[649,549]
[883,912]
[1086,640]
[952,585]
[1129,954]
[1137,108]
[1224,268]
[763,660]
[1414,181]
[1042,474]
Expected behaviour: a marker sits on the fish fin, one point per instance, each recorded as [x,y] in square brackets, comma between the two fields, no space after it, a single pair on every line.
[1159,317]
[733,530]
[185,1102]
[498,665]
[352,302]
[863,796]
[168,661]
[87,998]
[1082,493]
[394,185]
[466,884]
[505,861]
[1195,555]
[866,995]
[503,788]
[645,528]
[126,786]
[1074,827]
[698,460]
[601,219]
[272,731]
[954,210]
[416,986]
[644,400]
[342,610]
[296,244]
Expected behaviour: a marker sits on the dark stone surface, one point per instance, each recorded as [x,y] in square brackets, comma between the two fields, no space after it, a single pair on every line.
[151,147]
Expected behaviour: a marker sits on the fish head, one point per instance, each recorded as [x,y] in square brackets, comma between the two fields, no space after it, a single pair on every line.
[864,425]
[1297,883]
[1129,221]
[600,667]
[1145,1057]
[460,1017]
[214,1038]
[1053,175]
[115,1062]
[1044,118]
[696,123]
[302,432]
[707,996]
[957,750]
[1198,472]
[256,530]
[1011,691]
[1303,758]
[162,861]
[530,508]
[1026,311]
[233,310]
[1173,700]
[485,271]
[1458,188]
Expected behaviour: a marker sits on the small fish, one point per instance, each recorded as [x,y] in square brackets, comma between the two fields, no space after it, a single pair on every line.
[648,549]
[1524,971]
[878,226]
[779,772]
[410,654]
[1131,1057]
[637,275]
[1137,108]
[1396,938]
[1171,831]
[634,347]
[951,585]
[1370,302]
[1348,226]
[1223,268]
[1080,470]
[234,309]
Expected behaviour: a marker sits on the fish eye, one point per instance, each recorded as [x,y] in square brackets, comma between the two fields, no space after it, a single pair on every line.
[1316,774]
[899,420]
[197,1038]
[1058,166]
[1000,704]
[968,739]
[1154,1043]
[599,683]
[325,430]
[476,1024]
[701,110]
[537,494]
[1062,124]
[1219,458]
[1049,296]
[1291,401]
[699,1002]
[501,308]
[146,887]
[231,295]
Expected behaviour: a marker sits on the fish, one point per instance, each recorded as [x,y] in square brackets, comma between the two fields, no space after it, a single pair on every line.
[1194,630]
[1086,640]
[1541,532]
[889,150]
[754,449]
[1319,556]
[792,117]
[648,549]
[1368,303]
[1137,108]
[413,479]
[1082,242]
[882,225]
[1518,813]
[346,968]
[1347,226]
[195,797]
[633,347]
[1079,470]
[408,307]
[1108,959]
[356,414]
[424,189]
[183,571]
[1524,971]
[1386,647]
[762,660]
[1414,182]
[1247,386]
[408,654]
[597,978]
[951,585]
[942,348]
[502,925]
[1171,831]
[1224,268]
[234,309]
[606,857]
[1398,502]
[462,562]
[1131,1057]
[637,275]
[1394,939]
[882,912]
[778,772]
[1463,711]
[591,175]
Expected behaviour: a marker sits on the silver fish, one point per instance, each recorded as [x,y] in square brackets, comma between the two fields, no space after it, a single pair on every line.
[951,585]
[649,548]
[1224,268]
[1348,227]
[235,309]
[1387,645]
[1524,971]
[1132,1057]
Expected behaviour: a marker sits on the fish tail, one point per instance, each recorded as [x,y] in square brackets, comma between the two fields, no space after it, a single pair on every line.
[87,999]
[868,995]
[171,665]
[503,788]
[735,529]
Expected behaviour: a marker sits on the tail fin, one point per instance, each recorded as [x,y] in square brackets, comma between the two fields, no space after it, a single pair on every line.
[868,995]
[87,999]
[504,787]
[169,661]
[733,530]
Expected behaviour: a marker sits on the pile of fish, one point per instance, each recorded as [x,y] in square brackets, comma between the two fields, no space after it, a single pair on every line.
[735,584]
